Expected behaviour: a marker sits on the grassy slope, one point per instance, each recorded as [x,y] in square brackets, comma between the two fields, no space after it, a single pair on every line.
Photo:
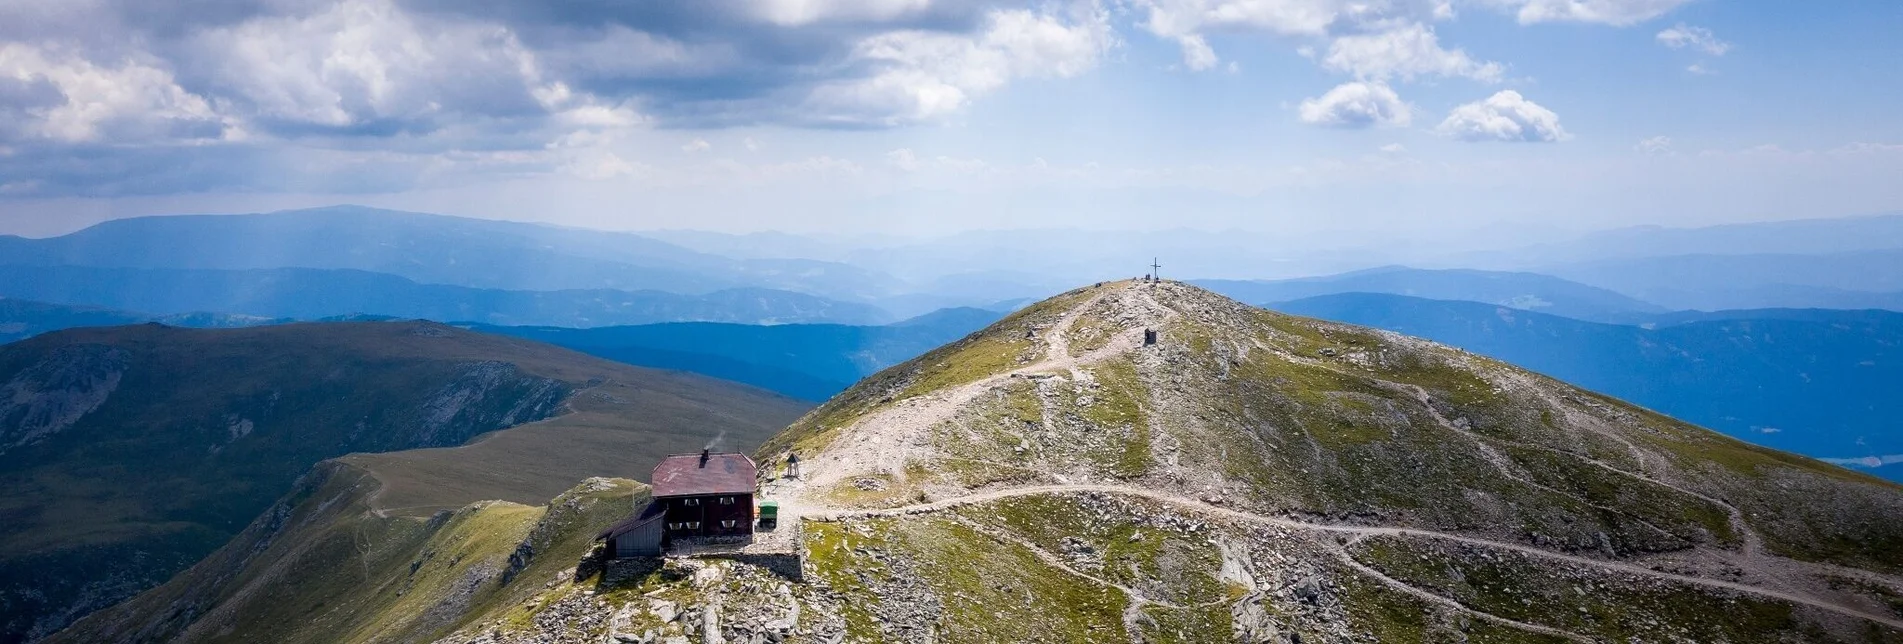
[324,567]
[314,391]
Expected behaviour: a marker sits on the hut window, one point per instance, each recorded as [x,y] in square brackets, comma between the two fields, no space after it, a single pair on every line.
[726,500]
[727,523]
[673,526]
[693,525]
[690,502]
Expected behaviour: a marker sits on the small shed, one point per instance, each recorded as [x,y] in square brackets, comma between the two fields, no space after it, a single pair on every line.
[637,536]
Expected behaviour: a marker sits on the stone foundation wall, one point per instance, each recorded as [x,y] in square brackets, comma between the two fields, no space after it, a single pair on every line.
[618,572]
[786,565]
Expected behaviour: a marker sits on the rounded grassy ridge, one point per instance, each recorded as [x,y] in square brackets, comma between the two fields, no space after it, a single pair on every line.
[1338,434]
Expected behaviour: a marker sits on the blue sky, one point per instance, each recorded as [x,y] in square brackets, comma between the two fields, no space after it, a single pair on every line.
[1477,122]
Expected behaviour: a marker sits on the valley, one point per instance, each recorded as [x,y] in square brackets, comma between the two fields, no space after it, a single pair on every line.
[129,453]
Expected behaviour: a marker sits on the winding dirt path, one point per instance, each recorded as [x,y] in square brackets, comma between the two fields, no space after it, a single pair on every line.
[1361,531]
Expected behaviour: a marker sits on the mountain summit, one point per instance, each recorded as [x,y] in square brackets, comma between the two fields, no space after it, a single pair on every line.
[1413,487]
[1151,462]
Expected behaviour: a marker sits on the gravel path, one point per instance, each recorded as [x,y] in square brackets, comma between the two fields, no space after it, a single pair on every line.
[1360,531]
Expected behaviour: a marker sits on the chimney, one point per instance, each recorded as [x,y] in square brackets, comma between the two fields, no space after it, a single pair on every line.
[703,457]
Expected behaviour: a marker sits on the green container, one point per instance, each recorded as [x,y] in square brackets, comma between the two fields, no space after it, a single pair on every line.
[769,509]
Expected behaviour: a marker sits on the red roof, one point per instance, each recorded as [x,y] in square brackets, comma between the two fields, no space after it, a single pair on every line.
[686,475]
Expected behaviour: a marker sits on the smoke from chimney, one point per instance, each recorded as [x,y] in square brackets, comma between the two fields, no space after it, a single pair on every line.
[714,443]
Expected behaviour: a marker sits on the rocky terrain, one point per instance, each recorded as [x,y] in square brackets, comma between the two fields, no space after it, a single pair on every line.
[1249,477]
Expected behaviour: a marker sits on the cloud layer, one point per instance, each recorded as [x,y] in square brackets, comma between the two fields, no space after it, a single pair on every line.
[125,97]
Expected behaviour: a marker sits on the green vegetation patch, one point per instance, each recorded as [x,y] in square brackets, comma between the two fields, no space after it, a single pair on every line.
[1690,518]
[1618,607]
[1002,592]
[1161,562]
[1118,409]
[840,556]
[996,349]
[1188,625]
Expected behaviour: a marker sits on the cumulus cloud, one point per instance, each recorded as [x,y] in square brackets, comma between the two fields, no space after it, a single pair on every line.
[1406,51]
[696,145]
[1682,36]
[903,159]
[1655,145]
[1609,12]
[1197,55]
[63,97]
[1505,116]
[1357,105]
[1186,22]
[925,75]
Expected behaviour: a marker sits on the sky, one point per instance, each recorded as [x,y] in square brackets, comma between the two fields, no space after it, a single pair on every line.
[1470,122]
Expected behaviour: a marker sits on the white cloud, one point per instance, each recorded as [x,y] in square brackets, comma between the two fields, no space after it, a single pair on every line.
[803,12]
[1406,51]
[751,144]
[697,145]
[1196,52]
[1699,69]
[1609,12]
[928,75]
[70,99]
[1357,105]
[1699,38]
[1655,145]
[1175,19]
[903,159]
[1394,148]
[360,63]
[1505,116]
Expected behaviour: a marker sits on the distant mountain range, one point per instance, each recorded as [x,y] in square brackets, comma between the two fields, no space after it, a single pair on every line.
[306,294]
[1815,236]
[432,249]
[21,319]
[1526,291]
[807,361]
[1816,382]
[1866,279]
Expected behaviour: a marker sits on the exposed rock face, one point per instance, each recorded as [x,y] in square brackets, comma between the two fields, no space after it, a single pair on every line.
[488,394]
[52,394]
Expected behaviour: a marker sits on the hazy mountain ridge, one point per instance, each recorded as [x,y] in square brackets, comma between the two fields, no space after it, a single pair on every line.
[1843,280]
[302,293]
[26,318]
[430,249]
[1810,236]
[808,361]
[1810,381]
[215,424]
[1528,291]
